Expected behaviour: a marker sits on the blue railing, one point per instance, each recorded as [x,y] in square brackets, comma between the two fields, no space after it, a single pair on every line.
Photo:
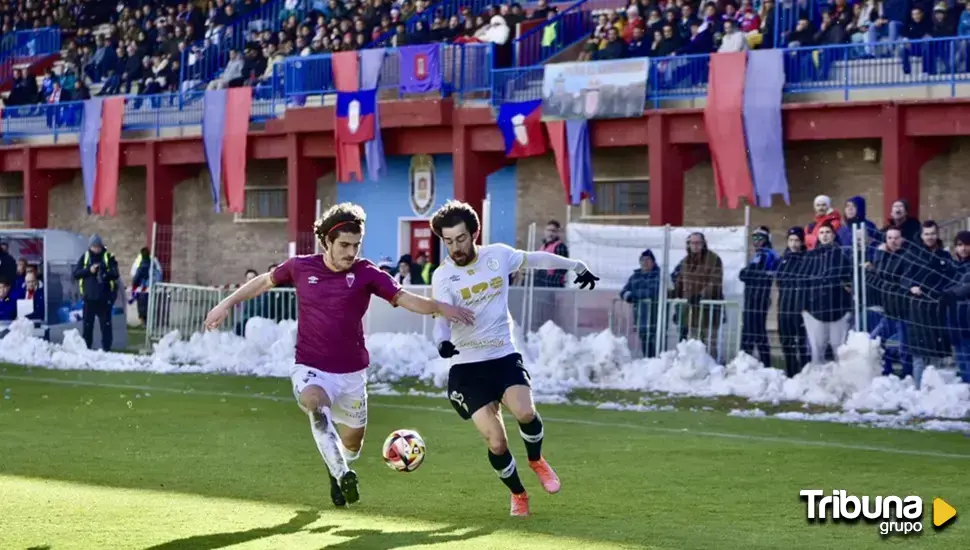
[465,70]
[205,59]
[25,47]
[573,24]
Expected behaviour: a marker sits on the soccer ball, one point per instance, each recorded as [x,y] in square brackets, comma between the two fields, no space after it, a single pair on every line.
[404,450]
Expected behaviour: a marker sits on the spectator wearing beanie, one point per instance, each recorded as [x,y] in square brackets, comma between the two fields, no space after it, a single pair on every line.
[824,213]
[899,218]
[828,304]
[758,277]
[642,290]
[791,302]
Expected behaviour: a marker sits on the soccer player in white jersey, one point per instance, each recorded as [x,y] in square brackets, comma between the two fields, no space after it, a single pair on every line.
[333,291]
[486,369]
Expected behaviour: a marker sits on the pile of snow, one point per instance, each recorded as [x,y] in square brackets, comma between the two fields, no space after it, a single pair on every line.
[558,362]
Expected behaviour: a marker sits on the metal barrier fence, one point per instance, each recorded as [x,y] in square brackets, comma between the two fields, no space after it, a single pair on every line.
[571,25]
[184,307]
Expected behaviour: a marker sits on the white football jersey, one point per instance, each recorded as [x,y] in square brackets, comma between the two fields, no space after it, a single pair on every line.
[483,287]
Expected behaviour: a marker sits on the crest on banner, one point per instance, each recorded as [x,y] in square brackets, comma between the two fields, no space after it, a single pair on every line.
[422,181]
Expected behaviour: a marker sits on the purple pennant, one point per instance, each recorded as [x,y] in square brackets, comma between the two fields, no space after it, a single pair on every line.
[90,138]
[371,63]
[213,129]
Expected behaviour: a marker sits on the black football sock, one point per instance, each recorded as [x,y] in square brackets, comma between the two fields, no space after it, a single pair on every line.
[504,465]
[531,433]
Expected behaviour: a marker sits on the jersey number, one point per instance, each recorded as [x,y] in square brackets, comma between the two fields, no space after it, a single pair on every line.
[469,291]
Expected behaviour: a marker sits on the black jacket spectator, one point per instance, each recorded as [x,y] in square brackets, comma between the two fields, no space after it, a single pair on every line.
[97,274]
[830,272]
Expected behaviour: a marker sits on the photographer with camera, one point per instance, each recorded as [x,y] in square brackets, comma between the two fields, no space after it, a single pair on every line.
[97,275]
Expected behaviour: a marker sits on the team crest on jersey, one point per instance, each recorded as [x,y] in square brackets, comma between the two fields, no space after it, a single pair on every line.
[492,264]
[312,279]
[471,271]
[350,279]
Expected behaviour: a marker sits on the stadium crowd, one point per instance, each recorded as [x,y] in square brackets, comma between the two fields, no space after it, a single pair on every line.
[917,291]
[119,48]
[650,29]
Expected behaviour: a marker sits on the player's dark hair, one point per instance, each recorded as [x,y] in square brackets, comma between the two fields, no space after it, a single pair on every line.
[555,224]
[453,213]
[345,217]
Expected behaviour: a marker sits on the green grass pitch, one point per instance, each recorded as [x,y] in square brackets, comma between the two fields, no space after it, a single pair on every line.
[94,460]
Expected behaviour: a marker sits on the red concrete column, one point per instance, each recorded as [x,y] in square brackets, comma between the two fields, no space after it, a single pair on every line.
[667,166]
[37,185]
[160,182]
[302,173]
[472,168]
[902,159]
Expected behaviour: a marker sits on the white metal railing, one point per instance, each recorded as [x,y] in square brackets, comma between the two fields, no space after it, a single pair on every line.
[715,322]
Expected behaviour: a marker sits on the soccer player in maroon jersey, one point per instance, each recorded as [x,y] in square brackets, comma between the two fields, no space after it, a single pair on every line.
[333,291]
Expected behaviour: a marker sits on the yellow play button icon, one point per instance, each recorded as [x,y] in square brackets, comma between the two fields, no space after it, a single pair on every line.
[942,512]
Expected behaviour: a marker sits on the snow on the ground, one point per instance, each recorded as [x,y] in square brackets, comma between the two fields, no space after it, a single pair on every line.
[558,363]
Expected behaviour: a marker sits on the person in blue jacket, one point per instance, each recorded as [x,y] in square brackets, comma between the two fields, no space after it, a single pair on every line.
[828,302]
[855,213]
[8,305]
[957,303]
[791,302]
[930,272]
[758,277]
[642,290]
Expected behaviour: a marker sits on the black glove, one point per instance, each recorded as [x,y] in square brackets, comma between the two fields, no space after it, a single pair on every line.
[586,278]
[948,298]
[446,349]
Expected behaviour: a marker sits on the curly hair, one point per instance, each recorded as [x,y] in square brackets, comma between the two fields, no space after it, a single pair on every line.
[345,217]
[453,213]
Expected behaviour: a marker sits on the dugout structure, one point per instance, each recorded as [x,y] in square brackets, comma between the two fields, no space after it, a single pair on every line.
[55,252]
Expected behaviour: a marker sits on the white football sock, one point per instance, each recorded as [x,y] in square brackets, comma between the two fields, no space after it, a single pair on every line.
[349,455]
[328,442]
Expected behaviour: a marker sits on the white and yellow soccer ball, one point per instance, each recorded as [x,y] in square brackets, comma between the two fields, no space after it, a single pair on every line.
[404,450]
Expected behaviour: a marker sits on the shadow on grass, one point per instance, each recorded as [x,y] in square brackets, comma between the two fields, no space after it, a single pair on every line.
[358,539]
[373,539]
[299,522]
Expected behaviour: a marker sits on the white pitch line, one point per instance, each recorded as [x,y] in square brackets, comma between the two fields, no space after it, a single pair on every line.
[658,429]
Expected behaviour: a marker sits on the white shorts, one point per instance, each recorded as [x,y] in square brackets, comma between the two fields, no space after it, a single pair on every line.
[347,393]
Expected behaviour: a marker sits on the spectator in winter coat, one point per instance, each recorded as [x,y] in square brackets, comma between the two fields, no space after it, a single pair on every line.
[899,217]
[8,266]
[828,306]
[406,272]
[8,306]
[758,277]
[929,274]
[145,271]
[700,276]
[642,290]
[824,213]
[884,289]
[958,311]
[554,245]
[792,281]
[855,213]
[33,291]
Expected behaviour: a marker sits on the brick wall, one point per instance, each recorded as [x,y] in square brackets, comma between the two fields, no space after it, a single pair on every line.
[834,168]
[211,248]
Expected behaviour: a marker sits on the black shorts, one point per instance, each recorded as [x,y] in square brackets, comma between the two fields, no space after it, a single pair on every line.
[472,386]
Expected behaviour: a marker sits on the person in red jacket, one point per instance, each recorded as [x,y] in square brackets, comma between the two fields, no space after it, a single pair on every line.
[824,213]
